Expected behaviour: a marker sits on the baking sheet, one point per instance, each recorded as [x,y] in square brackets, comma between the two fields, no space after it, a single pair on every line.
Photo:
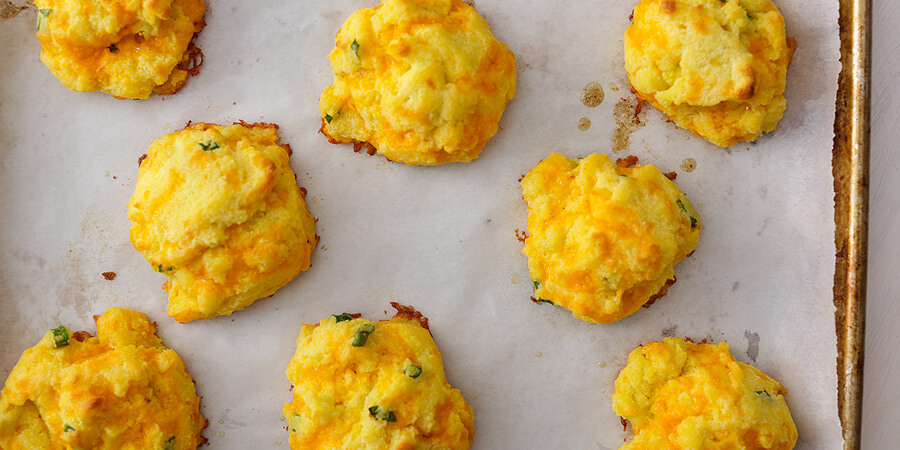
[441,239]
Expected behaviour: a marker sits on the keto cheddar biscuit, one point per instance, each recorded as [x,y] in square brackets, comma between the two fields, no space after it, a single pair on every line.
[603,238]
[678,394]
[128,49]
[120,389]
[218,211]
[358,384]
[423,82]
[715,67]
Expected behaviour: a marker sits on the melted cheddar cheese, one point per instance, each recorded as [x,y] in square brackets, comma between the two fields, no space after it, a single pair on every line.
[422,81]
[122,389]
[602,238]
[384,391]
[218,211]
[716,68]
[681,395]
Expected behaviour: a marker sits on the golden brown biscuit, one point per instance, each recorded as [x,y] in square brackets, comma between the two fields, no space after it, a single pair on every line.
[218,211]
[422,82]
[128,49]
[679,394]
[358,384]
[716,68]
[603,238]
[121,389]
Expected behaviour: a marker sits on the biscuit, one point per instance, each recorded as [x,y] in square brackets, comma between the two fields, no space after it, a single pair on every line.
[678,394]
[358,384]
[715,67]
[218,211]
[128,49]
[120,389]
[603,238]
[423,82]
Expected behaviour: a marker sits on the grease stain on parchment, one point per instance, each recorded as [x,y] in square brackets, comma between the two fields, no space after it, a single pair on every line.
[9,10]
[628,115]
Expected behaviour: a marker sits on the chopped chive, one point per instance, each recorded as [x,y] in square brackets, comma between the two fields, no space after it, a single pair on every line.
[541,300]
[764,392]
[681,205]
[67,428]
[362,333]
[170,444]
[380,413]
[295,422]
[749,16]
[355,47]
[208,145]
[328,118]
[693,222]
[341,317]
[412,371]
[60,336]
[43,15]
[537,285]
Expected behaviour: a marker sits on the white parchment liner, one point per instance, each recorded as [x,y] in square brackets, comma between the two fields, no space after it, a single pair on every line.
[441,239]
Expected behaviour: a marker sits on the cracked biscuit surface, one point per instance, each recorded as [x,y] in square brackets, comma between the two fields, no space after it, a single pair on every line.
[603,238]
[122,389]
[714,67]
[218,211]
[678,394]
[126,48]
[423,82]
[373,385]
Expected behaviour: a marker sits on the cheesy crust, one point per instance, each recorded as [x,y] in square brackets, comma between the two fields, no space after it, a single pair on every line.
[128,49]
[122,389]
[678,394]
[218,211]
[716,68]
[604,238]
[423,82]
[364,385]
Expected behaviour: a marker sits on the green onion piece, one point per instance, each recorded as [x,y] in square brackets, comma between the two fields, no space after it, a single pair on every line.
[338,318]
[43,15]
[541,300]
[295,422]
[380,413]
[537,285]
[355,47]
[209,145]
[749,16]
[67,428]
[763,392]
[170,444]
[159,268]
[693,222]
[328,118]
[681,205]
[412,371]
[60,336]
[362,333]
[171,268]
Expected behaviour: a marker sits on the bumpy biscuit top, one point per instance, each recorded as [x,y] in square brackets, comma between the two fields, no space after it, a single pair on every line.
[125,48]
[423,81]
[723,59]
[364,385]
[120,390]
[603,239]
[679,394]
[217,210]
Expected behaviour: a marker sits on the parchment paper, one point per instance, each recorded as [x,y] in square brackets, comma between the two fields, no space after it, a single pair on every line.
[441,239]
